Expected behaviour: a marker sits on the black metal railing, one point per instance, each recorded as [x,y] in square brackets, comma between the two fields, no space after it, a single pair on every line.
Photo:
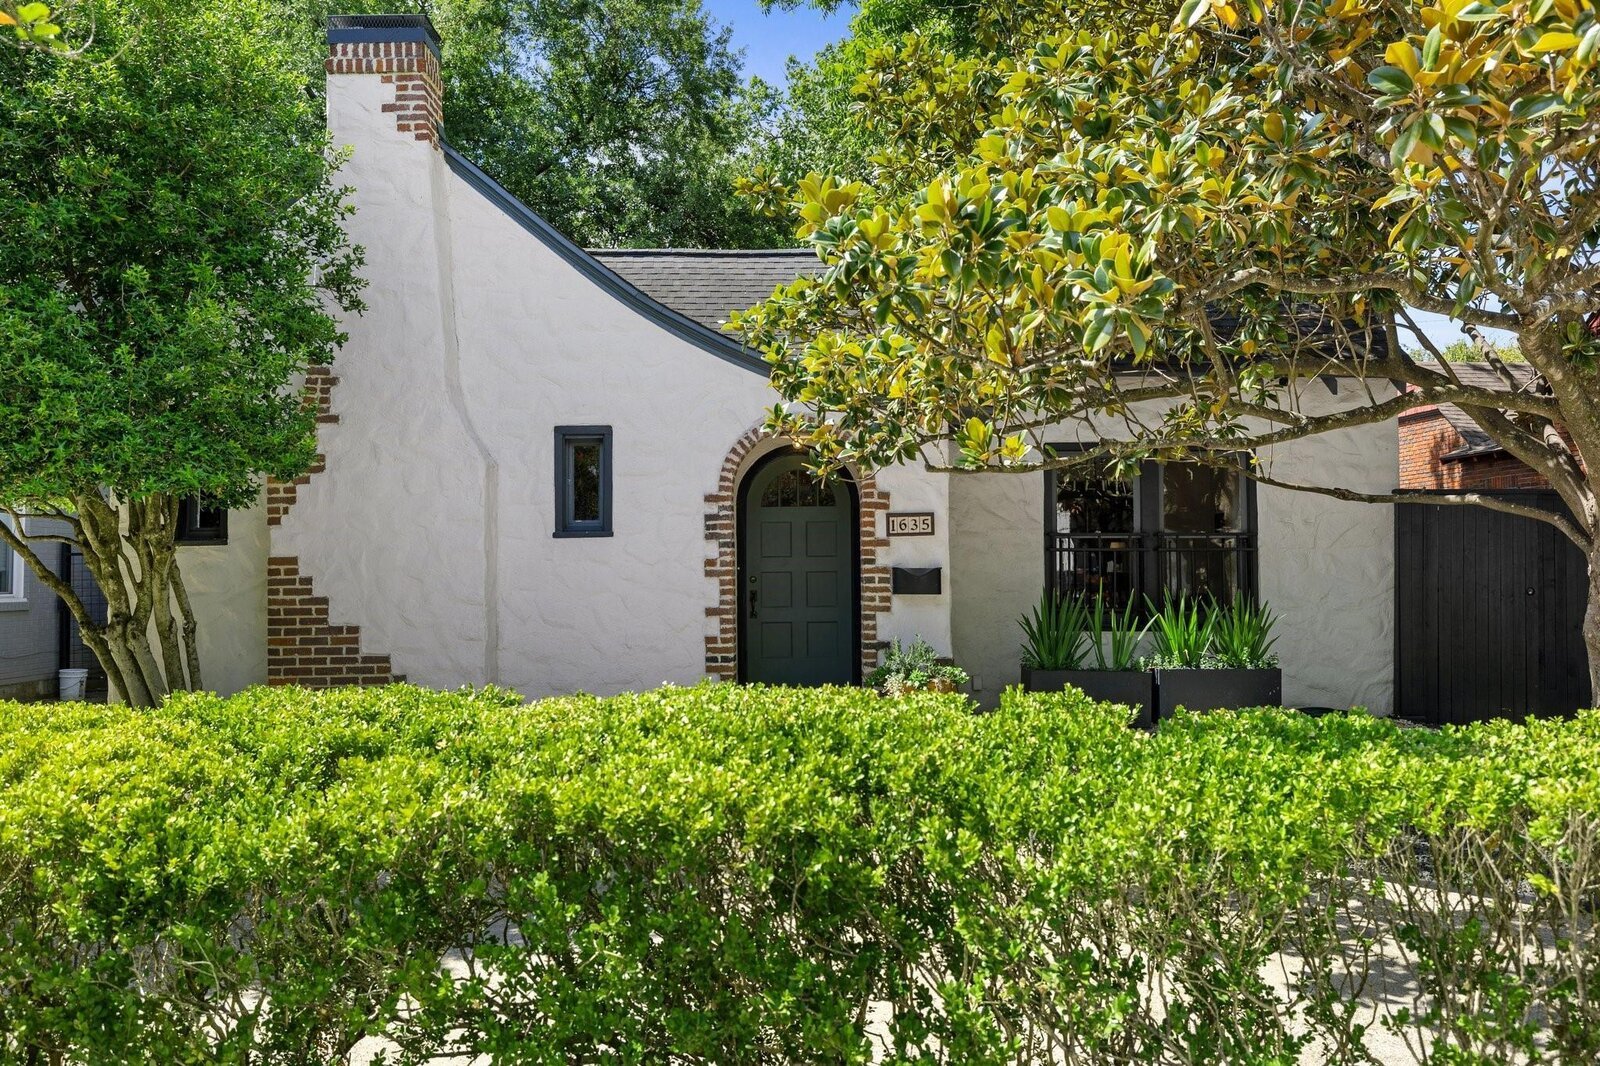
[1151,566]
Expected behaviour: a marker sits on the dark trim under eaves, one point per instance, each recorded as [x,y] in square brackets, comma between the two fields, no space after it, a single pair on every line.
[680,326]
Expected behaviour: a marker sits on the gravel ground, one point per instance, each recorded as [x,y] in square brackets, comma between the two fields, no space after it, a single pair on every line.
[1391,985]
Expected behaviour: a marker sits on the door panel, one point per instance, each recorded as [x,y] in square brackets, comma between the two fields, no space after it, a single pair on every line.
[1488,608]
[797,581]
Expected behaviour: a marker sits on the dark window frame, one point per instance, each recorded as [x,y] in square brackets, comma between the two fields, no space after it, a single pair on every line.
[191,533]
[1150,545]
[13,592]
[565,524]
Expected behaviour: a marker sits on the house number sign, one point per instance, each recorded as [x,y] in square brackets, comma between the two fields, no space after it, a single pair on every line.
[911,524]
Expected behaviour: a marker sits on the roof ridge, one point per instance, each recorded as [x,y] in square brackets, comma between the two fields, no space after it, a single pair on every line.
[708,253]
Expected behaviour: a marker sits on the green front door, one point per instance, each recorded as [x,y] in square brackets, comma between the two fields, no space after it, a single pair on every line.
[798,588]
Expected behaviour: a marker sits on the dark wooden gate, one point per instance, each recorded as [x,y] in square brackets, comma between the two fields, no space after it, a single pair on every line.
[75,654]
[1489,611]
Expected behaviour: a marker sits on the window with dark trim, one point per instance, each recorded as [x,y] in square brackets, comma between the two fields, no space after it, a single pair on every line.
[200,524]
[10,570]
[1173,529]
[583,481]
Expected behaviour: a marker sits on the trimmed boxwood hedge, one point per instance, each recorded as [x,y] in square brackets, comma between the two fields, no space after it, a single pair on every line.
[733,874]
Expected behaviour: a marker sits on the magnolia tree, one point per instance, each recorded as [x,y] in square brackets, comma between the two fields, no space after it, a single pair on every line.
[171,250]
[1206,214]
[31,24]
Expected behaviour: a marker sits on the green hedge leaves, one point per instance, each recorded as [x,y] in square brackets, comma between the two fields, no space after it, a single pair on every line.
[726,874]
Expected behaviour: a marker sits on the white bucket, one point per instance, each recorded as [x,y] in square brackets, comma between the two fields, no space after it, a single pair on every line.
[72,684]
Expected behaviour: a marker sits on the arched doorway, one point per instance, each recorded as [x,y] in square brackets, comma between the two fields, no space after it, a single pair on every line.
[798,575]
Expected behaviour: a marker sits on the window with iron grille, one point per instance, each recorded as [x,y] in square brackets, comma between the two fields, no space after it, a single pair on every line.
[1174,529]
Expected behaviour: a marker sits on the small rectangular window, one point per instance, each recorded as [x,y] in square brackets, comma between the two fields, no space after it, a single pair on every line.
[199,524]
[10,569]
[583,481]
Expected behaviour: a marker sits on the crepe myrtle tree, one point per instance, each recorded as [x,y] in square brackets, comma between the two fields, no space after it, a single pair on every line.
[1210,214]
[171,250]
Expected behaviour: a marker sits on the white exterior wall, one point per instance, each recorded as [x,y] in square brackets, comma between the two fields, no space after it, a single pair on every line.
[913,489]
[227,586]
[542,346]
[431,526]
[1326,566]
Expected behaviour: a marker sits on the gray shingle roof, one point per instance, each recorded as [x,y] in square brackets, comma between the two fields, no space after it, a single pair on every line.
[1474,441]
[707,285]
[1480,375]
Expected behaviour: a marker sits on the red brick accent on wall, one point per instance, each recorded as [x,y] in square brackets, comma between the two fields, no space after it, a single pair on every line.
[722,647]
[1426,436]
[413,70]
[319,394]
[303,646]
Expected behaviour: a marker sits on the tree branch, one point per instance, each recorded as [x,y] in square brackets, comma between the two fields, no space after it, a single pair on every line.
[1474,499]
[1354,285]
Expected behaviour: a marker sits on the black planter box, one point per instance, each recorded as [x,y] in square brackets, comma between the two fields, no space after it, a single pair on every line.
[1215,690]
[1131,687]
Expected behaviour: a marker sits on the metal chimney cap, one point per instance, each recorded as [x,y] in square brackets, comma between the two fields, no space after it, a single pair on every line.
[371,29]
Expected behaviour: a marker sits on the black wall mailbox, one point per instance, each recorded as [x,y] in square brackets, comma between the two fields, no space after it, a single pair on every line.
[918,580]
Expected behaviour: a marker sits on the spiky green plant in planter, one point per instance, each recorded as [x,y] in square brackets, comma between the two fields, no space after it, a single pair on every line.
[1183,629]
[1122,631]
[1242,637]
[1056,634]
[1064,632]
[1209,657]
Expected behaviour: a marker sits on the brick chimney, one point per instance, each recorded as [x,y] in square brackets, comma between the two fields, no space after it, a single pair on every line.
[401,51]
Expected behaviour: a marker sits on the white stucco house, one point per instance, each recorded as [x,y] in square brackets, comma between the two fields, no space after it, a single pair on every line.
[544,467]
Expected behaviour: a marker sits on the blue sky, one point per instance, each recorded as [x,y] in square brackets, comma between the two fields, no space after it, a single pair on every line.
[769,39]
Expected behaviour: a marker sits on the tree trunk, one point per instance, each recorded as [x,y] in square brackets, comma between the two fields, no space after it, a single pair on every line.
[147,644]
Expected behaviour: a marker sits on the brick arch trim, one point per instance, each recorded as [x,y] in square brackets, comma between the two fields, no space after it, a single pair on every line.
[722,529]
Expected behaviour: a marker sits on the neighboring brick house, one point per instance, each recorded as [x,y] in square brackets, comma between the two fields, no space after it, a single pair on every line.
[1441,447]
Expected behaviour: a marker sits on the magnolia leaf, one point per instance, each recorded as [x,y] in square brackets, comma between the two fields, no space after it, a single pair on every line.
[1190,14]
[1391,81]
[1431,45]
[1591,42]
[1398,194]
[1556,41]
[1532,107]
[1403,145]
[1400,54]
[1433,130]
[997,345]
